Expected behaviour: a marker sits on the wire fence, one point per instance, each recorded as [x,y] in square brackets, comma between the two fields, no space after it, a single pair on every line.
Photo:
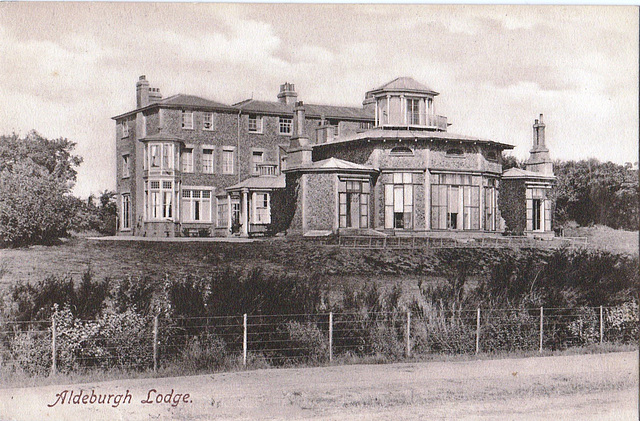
[221,342]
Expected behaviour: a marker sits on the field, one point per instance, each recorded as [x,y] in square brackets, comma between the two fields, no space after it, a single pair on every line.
[578,387]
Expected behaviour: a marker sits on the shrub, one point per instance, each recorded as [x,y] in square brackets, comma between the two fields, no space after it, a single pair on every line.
[113,340]
[509,331]
[36,301]
[622,323]
[31,352]
[306,342]
[205,352]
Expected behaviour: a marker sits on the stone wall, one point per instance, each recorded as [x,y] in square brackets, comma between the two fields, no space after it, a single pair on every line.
[320,204]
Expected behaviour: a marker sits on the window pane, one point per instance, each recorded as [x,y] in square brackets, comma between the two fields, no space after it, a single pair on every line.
[388,216]
[408,194]
[407,178]
[397,178]
[398,202]
[388,194]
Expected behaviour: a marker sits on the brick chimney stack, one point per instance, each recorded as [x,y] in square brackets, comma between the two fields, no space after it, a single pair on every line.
[287,94]
[142,92]
[538,134]
[539,159]
[299,153]
[145,94]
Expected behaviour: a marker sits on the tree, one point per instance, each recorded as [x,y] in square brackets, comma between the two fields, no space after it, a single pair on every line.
[36,176]
[593,192]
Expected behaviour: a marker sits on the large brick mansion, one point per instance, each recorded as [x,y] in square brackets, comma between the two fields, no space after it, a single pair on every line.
[192,166]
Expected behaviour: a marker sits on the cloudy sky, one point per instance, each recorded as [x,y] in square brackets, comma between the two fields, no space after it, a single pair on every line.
[65,69]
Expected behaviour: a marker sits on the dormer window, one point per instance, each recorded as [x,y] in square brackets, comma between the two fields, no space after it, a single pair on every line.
[455,152]
[401,151]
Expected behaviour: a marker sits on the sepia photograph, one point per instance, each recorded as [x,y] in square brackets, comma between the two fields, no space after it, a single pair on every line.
[235,211]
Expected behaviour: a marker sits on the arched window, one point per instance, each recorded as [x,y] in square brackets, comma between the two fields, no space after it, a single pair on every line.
[401,150]
[455,152]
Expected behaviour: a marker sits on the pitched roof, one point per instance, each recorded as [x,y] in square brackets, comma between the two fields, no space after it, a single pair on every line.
[192,101]
[334,164]
[311,110]
[520,173]
[262,182]
[405,84]
[181,100]
[380,134]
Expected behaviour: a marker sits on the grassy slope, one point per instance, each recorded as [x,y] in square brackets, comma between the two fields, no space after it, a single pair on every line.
[116,260]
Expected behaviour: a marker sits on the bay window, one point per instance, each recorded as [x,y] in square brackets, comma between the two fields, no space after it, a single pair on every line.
[159,199]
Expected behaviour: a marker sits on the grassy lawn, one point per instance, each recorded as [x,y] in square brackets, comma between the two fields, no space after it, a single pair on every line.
[607,238]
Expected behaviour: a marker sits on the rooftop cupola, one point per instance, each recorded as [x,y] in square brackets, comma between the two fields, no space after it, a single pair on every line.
[405,103]
[287,94]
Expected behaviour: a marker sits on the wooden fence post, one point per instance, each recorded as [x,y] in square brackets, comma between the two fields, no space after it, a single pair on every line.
[541,326]
[155,343]
[478,332]
[53,345]
[244,341]
[330,336]
[408,333]
[601,325]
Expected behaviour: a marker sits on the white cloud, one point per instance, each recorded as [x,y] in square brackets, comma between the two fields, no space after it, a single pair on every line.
[496,67]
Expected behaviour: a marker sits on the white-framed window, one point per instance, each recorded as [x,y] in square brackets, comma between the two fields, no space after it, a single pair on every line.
[159,196]
[196,205]
[538,210]
[160,157]
[222,215]
[398,202]
[187,119]
[126,212]
[207,121]
[284,125]
[187,160]
[353,197]
[125,128]
[257,158]
[255,123]
[261,208]
[228,160]
[455,202]
[413,111]
[125,166]
[207,160]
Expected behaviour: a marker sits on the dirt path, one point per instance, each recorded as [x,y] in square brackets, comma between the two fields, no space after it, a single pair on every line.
[582,387]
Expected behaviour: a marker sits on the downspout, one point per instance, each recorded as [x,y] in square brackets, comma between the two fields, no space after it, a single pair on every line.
[238,146]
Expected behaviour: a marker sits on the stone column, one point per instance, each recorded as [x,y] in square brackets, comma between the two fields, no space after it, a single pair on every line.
[244,213]
[229,211]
